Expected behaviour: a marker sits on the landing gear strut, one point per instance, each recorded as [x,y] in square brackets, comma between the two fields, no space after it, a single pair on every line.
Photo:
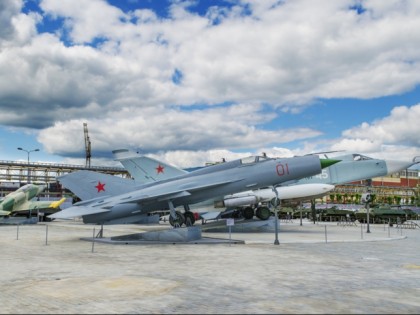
[178,220]
[189,218]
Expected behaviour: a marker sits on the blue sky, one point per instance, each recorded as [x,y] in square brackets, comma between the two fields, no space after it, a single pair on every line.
[194,81]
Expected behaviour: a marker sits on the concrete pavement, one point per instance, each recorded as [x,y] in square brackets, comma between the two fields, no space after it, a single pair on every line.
[323,268]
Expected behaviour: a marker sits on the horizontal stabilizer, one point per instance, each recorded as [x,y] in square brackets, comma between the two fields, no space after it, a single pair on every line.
[74,212]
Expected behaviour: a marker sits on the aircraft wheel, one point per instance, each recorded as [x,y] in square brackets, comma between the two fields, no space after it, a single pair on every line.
[189,218]
[178,221]
[248,213]
[263,213]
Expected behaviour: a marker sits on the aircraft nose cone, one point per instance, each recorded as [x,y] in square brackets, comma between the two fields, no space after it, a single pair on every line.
[328,162]
[393,166]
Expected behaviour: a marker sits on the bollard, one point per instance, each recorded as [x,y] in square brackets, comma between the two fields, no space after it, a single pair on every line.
[325,233]
[361,230]
[17,231]
[46,235]
[93,239]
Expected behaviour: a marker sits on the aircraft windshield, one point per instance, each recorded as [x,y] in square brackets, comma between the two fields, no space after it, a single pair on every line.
[253,159]
[262,158]
[359,157]
[248,160]
[24,188]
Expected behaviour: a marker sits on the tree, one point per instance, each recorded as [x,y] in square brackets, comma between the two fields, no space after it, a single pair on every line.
[357,198]
[373,196]
[345,197]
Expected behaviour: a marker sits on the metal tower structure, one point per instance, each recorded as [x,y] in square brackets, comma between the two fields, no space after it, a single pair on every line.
[87,145]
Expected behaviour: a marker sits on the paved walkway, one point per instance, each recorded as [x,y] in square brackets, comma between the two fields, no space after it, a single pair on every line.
[47,268]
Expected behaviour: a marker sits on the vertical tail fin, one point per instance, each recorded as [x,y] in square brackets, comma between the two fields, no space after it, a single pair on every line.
[145,169]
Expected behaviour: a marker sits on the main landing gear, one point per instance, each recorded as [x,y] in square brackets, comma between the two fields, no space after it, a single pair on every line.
[177,218]
[261,212]
[180,219]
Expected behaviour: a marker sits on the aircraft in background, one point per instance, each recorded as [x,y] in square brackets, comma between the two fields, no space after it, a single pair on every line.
[19,202]
[107,199]
[353,167]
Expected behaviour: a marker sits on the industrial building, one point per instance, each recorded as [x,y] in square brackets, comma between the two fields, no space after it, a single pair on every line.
[14,174]
[403,186]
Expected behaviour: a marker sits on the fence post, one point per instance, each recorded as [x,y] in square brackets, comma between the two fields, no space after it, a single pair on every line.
[361,230]
[325,233]
[46,234]
[93,239]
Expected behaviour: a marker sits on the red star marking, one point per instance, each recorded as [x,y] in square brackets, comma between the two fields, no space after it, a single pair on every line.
[159,169]
[100,187]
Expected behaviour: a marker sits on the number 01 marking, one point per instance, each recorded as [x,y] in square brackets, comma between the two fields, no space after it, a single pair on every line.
[282,169]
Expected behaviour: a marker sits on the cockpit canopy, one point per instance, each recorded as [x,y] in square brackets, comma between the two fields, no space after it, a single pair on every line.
[354,157]
[360,157]
[254,159]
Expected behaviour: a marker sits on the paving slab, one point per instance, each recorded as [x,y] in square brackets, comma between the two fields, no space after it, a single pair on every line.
[315,268]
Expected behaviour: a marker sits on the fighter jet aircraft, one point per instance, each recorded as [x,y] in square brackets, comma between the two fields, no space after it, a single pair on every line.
[116,198]
[19,202]
[353,167]
[145,169]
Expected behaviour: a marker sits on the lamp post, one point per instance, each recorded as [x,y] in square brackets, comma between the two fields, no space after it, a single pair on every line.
[29,152]
[367,198]
[276,204]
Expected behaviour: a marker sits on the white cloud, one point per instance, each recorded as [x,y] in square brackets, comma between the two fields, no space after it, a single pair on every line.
[281,55]
[9,9]
[154,128]
[401,126]
[393,137]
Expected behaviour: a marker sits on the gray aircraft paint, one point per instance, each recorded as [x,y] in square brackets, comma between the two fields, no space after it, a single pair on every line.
[200,185]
